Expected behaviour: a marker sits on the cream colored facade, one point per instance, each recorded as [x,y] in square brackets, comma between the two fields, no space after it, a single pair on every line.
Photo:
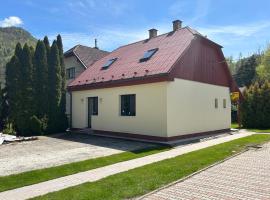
[150,116]
[79,68]
[163,109]
[191,107]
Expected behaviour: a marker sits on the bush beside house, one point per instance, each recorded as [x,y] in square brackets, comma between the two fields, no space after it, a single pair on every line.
[255,109]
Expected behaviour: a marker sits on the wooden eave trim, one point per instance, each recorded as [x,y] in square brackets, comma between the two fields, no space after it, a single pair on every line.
[122,82]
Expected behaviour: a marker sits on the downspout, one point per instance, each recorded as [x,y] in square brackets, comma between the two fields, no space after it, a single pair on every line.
[70,120]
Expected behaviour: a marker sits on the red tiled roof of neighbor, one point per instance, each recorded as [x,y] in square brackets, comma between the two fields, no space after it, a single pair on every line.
[86,55]
[128,66]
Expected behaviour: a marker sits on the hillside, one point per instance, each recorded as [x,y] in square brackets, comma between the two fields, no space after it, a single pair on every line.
[9,37]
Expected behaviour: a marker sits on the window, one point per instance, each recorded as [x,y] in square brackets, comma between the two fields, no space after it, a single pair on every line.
[216,103]
[224,103]
[71,73]
[93,104]
[128,105]
[148,54]
[109,63]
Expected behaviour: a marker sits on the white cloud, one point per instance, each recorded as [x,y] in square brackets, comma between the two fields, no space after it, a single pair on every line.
[236,38]
[108,39]
[237,30]
[110,7]
[11,21]
[191,10]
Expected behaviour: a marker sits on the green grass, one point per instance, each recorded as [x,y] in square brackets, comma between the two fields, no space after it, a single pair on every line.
[260,130]
[37,176]
[235,125]
[142,180]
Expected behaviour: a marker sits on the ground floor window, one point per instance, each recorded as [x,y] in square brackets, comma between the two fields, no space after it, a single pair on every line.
[128,105]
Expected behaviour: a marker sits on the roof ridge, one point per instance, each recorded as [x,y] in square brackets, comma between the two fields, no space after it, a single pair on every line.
[154,37]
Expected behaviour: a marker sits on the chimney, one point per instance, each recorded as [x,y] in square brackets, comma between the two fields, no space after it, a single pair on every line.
[152,33]
[96,44]
[177,24]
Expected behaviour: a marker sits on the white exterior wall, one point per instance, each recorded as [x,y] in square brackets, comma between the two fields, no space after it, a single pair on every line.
[150,116]
[163,109]
[191,107]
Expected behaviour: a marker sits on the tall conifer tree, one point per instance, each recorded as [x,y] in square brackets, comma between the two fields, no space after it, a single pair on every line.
[13,74]
[26,100]
[63,123]
[47,45]
[41,80]
[55,81]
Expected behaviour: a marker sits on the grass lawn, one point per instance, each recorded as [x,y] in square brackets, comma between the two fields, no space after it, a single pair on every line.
[142,180]
[235,126]
[37,176]
[260,130]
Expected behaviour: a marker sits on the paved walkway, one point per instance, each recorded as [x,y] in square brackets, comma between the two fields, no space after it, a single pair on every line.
[246,176]
[97,174]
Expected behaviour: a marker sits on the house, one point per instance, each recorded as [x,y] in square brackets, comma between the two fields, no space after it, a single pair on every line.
[166,87]
[77,59]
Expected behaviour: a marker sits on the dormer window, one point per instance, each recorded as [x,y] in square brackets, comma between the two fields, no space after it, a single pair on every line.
[148,54]
[109,63]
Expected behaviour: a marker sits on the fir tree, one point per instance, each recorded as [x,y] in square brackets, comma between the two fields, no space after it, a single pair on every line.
[26,100]
[12,86]
[55,92]
[40,80]
[63,123]
[13,74]
[47,45]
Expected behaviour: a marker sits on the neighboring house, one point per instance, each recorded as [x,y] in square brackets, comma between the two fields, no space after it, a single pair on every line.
[163,88]
[77,60]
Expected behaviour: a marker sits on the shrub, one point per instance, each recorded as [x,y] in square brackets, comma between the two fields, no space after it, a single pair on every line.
[9,129]
[37,126]
[255,109]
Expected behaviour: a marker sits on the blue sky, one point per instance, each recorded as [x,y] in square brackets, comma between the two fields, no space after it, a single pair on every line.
[238,25]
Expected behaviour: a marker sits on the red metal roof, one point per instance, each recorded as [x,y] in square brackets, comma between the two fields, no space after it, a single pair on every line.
[128,66]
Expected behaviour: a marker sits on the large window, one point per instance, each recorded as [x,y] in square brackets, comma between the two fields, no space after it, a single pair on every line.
[71,73]
[128,105]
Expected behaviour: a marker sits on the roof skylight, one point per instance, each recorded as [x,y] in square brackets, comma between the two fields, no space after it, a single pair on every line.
[109,63]
[148,54]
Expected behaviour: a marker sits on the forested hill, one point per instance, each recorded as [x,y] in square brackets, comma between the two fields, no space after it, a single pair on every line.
[9,37]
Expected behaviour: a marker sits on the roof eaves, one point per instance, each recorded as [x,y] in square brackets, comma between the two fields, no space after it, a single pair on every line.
[205,38]
[112,82]
[80,59]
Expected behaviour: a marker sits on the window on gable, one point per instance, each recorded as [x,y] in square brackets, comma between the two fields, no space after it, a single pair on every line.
[148,54]
[109,63]
[224,103]
[128,105]
[71,73]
